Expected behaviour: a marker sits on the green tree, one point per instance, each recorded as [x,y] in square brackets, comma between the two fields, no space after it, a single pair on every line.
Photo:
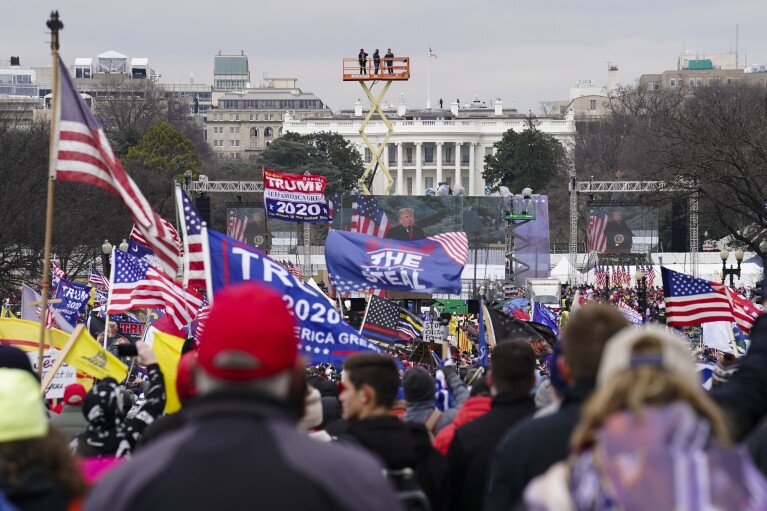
[529,158]
[325,153]
[161,156]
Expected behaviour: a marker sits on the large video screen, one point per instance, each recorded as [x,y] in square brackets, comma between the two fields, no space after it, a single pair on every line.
[622,229]
[250,225]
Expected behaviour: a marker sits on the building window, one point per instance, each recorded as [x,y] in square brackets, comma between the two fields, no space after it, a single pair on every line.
[268,132]
[672,82]
[651,86]
[368,155]
[409,182]
[695,82]
[236,143]
[489,151]
[464,155]
[231,129]
[449,154]
[392,153]
[429,182]
[732,81]
[254,143]
[428,154]
[236,117]
[231,143]
[713,81]
[408,155]
[465,184]
[593,104]
[252,117]
[253,132]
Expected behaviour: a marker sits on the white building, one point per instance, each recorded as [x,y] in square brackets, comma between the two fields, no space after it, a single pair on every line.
[432,146]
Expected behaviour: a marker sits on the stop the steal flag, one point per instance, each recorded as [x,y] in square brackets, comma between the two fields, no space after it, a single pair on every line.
[357,262]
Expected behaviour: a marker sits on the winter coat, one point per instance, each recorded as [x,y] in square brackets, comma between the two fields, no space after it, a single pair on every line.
[529,449]
[469,455]
[419,411]
[240,450]
[667,459]
[35,491]
[403,445]
[474,407]
[71,421]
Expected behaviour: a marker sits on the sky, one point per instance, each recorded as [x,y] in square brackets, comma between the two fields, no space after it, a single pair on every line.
[523,52]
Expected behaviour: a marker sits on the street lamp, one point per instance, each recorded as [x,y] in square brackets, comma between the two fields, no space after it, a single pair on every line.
[124,245]
[106,251]
[642,293]
[731,271]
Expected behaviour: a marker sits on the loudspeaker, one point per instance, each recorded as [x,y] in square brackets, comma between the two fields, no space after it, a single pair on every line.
[680,232]
[202,203]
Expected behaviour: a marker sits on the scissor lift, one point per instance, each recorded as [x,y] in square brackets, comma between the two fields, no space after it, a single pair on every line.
[389,70]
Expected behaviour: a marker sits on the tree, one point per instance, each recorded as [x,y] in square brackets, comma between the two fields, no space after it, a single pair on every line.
[529,158]
[160,157]
[325,153]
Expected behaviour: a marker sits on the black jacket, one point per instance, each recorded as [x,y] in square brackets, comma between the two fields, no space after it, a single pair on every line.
[242,451]
[403,445]
[529,449]
[469,454]
[744,396]
[401,233]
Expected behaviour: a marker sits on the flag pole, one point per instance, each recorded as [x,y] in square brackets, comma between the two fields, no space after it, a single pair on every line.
[367,308]
[55,25]
[428,80]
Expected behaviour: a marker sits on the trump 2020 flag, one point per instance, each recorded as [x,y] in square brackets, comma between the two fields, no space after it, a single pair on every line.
[323,335]
[295,197]
[357,262]
[73,298]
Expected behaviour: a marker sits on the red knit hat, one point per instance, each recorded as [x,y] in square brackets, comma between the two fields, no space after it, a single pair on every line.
[249,334]
[74,394]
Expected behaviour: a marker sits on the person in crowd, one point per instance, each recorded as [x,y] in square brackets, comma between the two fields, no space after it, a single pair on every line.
[376,61]
[12,357]
[619,236]
[511,379]
[650,438]
[37,471]
[419,388]
[477,405]
[406,230]
[370,383]
[71,421]
[389,61]
[113,338]
[109,433]
[529,449]
[363,60]
[241,447]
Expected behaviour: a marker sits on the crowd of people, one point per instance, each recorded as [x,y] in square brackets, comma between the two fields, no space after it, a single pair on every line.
[616,418]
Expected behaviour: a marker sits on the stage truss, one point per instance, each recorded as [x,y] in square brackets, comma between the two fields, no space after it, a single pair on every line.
[591,187]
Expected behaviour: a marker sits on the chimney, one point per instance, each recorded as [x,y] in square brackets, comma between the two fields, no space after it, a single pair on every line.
[358,108]
[498,107]
[454,107]
[401,106]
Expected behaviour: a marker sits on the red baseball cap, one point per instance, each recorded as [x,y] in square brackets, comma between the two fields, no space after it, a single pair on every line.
[249,334]
[74,394]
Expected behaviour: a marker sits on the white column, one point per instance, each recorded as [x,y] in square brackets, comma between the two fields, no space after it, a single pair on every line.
[385,158]
[438,148]
[400,172]
[418,188]
[457,181]
[472,170]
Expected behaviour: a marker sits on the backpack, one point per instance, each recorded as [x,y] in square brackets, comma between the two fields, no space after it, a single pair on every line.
[411,495]
[431,422]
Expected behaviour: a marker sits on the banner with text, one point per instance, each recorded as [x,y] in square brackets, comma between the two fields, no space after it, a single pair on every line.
[323,335]
[66,374]
[294,197]
[73,298]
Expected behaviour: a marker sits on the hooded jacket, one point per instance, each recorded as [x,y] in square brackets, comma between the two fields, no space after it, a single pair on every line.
[419,411]
[403,445]
[473,408]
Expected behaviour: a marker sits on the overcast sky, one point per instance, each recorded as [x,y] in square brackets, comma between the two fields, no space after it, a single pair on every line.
[521,51]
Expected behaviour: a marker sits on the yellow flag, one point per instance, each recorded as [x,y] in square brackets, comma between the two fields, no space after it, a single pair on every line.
[86,355]
[167,349]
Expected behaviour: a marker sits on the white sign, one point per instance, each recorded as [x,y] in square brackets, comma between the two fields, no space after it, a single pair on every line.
[66,375]
[432,332]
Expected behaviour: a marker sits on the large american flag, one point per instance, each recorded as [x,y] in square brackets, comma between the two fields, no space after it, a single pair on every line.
[600,276]
[83,154]
[596,241]
[97,278]
[138,285]
[238,220]
[455,244]
[191,226]
[692,301]
[744,311]
[368,217]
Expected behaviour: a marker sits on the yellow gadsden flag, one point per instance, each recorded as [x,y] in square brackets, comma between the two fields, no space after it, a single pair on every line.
[86,355]
[167,349]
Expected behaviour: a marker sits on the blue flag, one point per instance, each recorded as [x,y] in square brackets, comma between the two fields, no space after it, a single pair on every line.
[544,315]
[73,298]
[324,337]
[357,262]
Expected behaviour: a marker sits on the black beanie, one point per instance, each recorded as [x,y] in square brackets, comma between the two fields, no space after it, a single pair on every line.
[418,385]
[13,358]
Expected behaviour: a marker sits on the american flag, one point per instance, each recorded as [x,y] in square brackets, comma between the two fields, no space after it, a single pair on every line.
[368,217]
[455,244]
[432,55]
[138,237]
[191,226]
[202,316]
[57,270]
[744,311]
[238,220]
[596,241]
[294,269]
[381,321]
[692,301]
[137,285]
[650,275]
[600,275]
[97,278]
[83,154]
